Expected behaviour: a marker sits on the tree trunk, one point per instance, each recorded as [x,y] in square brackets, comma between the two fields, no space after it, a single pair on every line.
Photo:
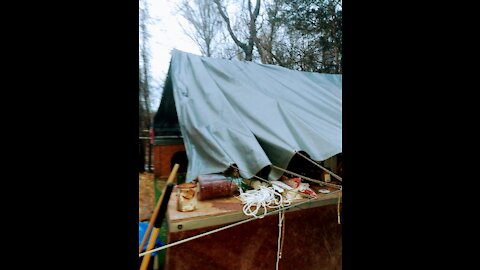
[247,48]
[146,87]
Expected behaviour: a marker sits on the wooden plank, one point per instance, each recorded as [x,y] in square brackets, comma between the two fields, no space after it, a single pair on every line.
[224,211]
[204,208]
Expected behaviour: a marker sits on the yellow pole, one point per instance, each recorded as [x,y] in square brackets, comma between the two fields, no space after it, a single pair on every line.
[151,243]
[170,179]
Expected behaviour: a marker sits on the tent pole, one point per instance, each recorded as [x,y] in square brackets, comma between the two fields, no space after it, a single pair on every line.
[320,166]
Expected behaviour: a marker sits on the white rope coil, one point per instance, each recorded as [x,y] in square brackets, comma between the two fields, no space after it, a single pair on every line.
[263,197]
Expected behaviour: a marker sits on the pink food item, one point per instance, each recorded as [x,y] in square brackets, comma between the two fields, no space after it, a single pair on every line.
[293,182]
[298,186]
[310,192]
[305,189]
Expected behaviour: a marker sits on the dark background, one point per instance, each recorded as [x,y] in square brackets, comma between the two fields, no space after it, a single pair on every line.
[409,115]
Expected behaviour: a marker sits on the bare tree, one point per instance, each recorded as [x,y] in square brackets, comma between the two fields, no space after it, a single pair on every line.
[267,35]
[205,21]
[248,45]
[304,35]
[227,49]
[144,70]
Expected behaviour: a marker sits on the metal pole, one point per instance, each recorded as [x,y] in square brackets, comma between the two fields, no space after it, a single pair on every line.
[149,157]
[150,144]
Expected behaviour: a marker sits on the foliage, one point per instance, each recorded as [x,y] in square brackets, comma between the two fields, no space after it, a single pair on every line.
[319,24]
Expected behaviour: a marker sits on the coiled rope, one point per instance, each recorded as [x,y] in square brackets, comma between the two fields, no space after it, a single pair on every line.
[264,197]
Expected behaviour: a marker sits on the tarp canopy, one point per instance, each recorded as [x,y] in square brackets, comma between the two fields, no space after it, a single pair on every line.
[249,114]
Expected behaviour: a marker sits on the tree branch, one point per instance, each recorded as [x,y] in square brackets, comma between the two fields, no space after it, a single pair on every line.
[229,28]
[253,39]
[280,62]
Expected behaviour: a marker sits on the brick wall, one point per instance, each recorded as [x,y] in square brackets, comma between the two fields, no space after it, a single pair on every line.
[162,158]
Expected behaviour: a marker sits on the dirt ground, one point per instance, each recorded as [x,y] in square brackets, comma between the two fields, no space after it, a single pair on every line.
[146,202]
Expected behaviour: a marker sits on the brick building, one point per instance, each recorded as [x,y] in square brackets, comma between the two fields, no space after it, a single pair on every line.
[168,146]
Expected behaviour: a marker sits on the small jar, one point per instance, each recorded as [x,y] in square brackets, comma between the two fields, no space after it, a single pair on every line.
[186,197]
[215,186]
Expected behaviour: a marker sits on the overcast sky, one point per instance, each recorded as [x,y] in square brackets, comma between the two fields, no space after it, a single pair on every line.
[165,34]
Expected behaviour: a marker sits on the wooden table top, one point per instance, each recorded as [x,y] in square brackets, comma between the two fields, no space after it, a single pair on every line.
[224,210]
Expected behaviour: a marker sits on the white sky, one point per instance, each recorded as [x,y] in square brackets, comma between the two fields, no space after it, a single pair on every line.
[165,34]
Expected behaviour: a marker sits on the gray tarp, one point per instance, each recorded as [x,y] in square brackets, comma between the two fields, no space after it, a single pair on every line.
[253,115]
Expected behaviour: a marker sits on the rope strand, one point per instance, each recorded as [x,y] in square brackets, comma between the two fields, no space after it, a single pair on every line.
[320,166]
[307,178]
[338,207]
[281,220]
[264,180]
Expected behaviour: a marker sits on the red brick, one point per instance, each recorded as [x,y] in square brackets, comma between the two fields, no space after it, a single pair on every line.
[162,156]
